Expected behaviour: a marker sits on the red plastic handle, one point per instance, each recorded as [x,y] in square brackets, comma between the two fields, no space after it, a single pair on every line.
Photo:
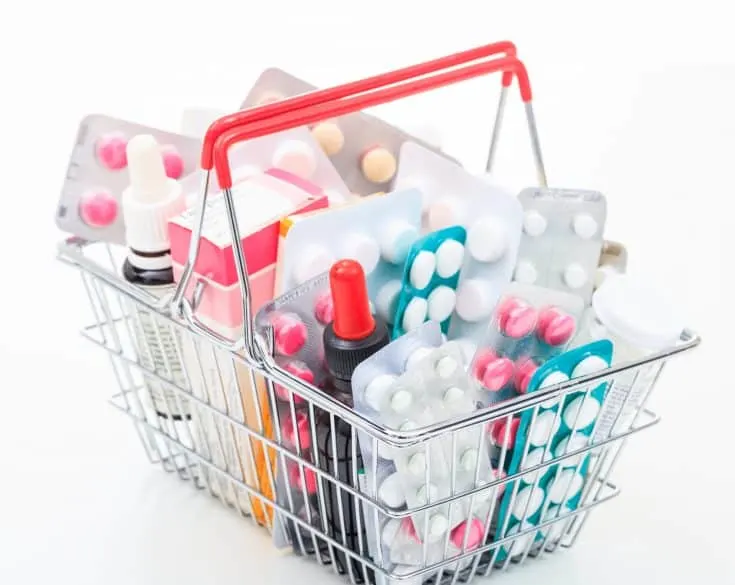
[324,110]
[226,123]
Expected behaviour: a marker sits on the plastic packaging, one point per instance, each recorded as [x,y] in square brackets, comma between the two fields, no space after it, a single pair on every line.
[560,430]
[613,260]
[430,278]
[530,324]
[90,202]
[365,149]
[640,321]
[562,239]
[414,382]
[378,232]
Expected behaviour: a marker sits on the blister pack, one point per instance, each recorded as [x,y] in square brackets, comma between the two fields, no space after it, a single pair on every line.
[416,381]
[562,239]
[556,430]
[493,219]
[530,325]
[90,202]
[430,278]
[364,148]
[378,232]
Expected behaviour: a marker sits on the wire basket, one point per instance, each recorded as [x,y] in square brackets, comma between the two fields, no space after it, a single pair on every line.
[229,441]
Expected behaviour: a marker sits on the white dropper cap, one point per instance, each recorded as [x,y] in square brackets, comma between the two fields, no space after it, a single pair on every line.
[151,199]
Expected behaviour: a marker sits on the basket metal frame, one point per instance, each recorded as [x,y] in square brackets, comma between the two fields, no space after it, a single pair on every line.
[115,302]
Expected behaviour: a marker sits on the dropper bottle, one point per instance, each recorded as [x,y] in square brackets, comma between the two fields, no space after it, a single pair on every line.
[354,335]
[147,204]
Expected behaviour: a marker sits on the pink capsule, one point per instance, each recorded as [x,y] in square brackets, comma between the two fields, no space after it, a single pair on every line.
[475,534]
[310,480]
[172,161]
[516,318]
[324,308]
[497,374]
[111,151]
[98,208]
[482,359]
[301,371]
[525,369]
[555,326]
[298,434]
[498,432]
[290,334]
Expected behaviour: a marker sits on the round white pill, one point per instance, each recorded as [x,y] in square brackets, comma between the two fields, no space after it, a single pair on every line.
[528,501]
[570,444]
[589,365]
[364,249]
[424,494]
[525,272]
[386,300]
[534,224]
[533,458]
[581,412]
[314,261]
[415,314]
[473,300]
[417,356]
[442,301]
[296,157]
[390,491]
[544,428]
[564,486]
[422,269]
[390,530]
[417,463]
[446,367]
[377,390]
[396,240]
[575,276]
[519,546]
[468,459]
[453,395]
[552,379]
[401,401]
[487,240]
[584,225]
[449,258]
[438,526]
[553,532]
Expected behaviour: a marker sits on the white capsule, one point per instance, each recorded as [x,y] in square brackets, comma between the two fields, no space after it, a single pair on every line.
[377,390]
[544,428]
[364,249]
[390,491]
[528,501]
[449,258]
[570,444]
[417,463]
[534,224]
[468,459]
[487,240]
[390,531]
[533,458]
[473,300]
[424,494]
[565,486]
[415,314]
[453,395]
[552,379]
[442,301]
[589,365]
[401,401]
[518,547]
[386,300]
[525,272]
[575,276]
[446,367]
[396,240]
[417,357]
[422,269]
[581,412]
[584,225]
[438,526]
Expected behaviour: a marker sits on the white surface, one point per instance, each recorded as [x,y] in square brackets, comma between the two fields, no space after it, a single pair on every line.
[650,124]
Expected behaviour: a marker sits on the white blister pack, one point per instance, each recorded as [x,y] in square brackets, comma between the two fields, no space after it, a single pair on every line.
[97,175]
[377,232]
[364,148]
[562,239]
[414,382]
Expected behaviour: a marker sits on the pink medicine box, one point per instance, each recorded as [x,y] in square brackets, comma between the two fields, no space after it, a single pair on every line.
[261,201]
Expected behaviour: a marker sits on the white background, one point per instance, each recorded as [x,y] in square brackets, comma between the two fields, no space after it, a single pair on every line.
[635,100]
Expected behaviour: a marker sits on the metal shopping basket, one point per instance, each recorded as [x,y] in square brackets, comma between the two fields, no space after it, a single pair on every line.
[196,447]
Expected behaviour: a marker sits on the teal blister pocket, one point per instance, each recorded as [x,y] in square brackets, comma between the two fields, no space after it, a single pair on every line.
[553,429]
[430,276]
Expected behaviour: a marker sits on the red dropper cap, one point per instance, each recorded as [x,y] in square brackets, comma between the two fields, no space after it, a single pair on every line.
[352,318]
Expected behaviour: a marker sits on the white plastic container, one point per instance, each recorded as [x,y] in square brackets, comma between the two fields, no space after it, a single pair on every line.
[639,321]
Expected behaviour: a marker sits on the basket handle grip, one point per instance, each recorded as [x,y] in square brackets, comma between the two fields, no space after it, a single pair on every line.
[226,123]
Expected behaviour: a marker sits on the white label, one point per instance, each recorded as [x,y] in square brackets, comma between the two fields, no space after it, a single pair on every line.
[258,201]
[624,397]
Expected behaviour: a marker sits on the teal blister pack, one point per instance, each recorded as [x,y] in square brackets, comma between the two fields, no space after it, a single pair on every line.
[430,277]
[543,434]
